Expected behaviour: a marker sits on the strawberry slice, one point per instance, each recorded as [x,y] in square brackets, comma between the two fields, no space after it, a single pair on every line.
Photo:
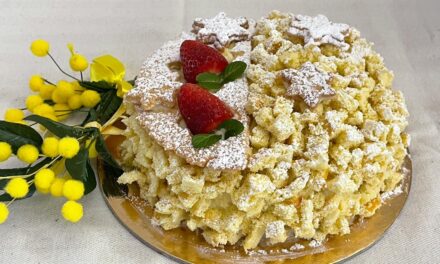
[202,111]
[197,57]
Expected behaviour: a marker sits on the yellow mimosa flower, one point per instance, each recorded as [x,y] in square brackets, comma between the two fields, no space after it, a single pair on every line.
[77,61]
[40,47]
[72,211]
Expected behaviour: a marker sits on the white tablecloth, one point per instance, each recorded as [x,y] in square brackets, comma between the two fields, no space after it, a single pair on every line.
[406,33]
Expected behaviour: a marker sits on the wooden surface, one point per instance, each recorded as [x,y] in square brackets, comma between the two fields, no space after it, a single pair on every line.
[406,33]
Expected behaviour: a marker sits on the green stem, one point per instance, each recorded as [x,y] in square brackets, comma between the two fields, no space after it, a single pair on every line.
[10,202]
[49,81]
[58,66]
[35,172]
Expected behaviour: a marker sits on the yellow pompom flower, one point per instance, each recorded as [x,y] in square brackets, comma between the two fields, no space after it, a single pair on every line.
[4,213]
[68,147]
[73,190]
[65,89]
[17,188]
[77,61]
[72,211]
[56,189]
[57,98]
[50,147]
[5,151]
[14,115]
[92,148]
[43,191]
[44,109]
[33,101]
[74,102]
[90,98]
[46,91]
[44,179]
[40,47]
[36,82]
[62,111]
[27,153]
[77,87]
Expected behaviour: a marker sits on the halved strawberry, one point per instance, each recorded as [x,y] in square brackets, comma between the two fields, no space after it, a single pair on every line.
[202,111]
[197,57]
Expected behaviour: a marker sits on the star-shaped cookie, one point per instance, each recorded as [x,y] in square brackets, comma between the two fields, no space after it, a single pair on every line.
[308,83]
[221,30]
[319,30]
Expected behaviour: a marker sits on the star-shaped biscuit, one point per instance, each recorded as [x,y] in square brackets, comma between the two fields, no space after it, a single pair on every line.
[319,30]
[221,30]
[308,83]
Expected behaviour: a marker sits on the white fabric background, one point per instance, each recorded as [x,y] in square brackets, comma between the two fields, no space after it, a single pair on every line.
[406,33]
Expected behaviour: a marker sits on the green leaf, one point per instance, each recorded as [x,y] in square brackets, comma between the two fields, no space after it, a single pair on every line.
[109,104]
[77,166]
[233,71]
[90,184]
[103,152]
[59,129]
[110,185]
[80,169]
[24,171]
[210,81]
[100,87]
[205,140]
[232,128]
[91,116]
[17,135]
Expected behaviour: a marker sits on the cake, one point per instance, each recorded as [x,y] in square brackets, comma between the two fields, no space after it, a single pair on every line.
[323,133]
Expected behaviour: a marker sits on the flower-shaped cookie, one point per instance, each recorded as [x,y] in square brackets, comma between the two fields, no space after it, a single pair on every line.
[308,82]
[221,30]
[319,30]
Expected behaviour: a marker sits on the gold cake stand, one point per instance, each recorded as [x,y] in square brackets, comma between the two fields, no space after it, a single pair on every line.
[185,246]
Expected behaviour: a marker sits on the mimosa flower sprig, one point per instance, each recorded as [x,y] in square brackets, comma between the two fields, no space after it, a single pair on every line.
[57,156]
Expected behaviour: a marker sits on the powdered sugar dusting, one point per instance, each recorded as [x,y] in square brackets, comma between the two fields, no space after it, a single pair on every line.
[296,246]
[222,30]
[274,228]
[319,30]
[308,82]
[390,194]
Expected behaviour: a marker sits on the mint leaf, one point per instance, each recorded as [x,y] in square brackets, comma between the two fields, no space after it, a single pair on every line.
[210,81]
[205,140]
[232,128]
[233,71]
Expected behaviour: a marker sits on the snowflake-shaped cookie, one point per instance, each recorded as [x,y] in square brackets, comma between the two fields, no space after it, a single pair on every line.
[308,82]
[221,30]
[319,30]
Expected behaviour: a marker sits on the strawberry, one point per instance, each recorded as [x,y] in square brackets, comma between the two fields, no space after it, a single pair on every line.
[202,111]
[197,57]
